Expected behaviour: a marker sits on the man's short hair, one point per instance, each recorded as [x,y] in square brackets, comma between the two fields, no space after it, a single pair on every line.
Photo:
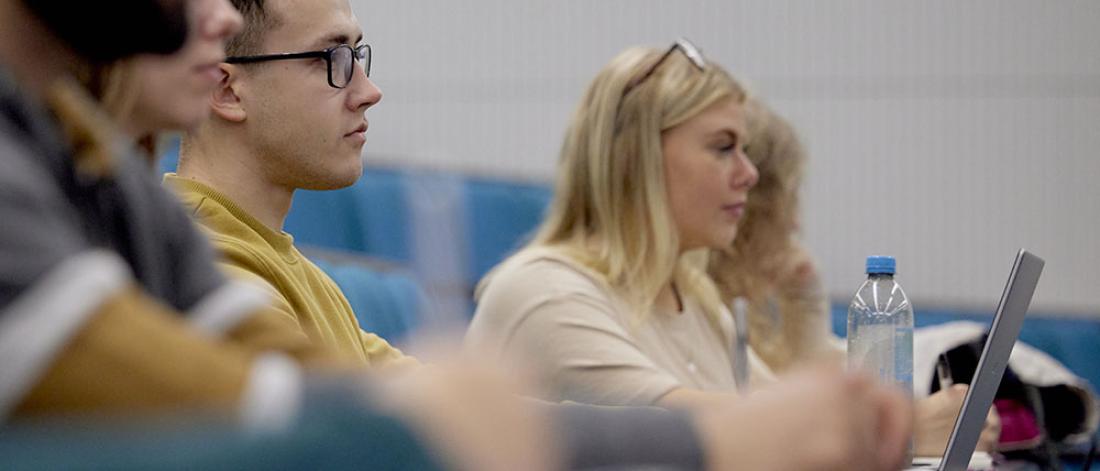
[258,20]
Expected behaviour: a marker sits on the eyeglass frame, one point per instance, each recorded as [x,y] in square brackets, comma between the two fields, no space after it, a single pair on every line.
[325,54]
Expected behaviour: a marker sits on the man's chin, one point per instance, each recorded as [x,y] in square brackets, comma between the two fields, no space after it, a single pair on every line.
[334,181]
[330,184]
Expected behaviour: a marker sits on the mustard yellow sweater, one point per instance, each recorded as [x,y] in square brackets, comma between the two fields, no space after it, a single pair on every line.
[301,290]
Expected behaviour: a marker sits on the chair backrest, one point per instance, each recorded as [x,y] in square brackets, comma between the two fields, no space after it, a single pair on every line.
[388,301]
[326,219]
[502,216]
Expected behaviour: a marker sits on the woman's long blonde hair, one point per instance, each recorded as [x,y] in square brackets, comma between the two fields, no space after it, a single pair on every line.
[610,210]
[117,88]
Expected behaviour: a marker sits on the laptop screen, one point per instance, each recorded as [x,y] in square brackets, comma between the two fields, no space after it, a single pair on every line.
[1007,323]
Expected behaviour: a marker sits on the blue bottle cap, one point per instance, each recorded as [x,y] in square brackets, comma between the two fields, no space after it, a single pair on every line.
[881,265]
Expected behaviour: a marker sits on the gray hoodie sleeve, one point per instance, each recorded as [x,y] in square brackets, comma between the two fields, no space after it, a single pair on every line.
[601,437]
[37,230]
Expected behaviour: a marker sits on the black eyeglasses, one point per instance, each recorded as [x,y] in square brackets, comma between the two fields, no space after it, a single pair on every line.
[340,60]
[683,45]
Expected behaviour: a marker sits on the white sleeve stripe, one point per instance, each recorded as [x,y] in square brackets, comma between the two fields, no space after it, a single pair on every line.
[35,327]
[227,306]
[273,396]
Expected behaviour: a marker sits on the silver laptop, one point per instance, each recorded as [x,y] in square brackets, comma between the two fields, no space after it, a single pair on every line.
[991,366]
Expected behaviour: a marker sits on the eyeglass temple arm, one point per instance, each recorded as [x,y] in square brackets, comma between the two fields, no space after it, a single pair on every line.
[273,57]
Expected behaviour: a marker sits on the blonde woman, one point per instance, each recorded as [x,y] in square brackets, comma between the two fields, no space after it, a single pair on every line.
[788,310]
[611,296]
[611,299]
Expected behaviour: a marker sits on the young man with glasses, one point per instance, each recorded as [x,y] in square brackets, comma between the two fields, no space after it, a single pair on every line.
[289,115]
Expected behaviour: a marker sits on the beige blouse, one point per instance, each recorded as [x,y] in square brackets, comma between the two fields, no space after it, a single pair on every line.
[586,343]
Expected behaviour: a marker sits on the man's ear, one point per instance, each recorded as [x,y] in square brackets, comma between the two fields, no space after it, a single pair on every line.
[225,102]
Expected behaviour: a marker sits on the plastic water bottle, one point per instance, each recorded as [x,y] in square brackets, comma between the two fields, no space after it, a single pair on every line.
[880,327]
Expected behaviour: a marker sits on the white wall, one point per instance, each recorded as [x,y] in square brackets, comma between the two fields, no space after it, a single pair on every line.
[945,133]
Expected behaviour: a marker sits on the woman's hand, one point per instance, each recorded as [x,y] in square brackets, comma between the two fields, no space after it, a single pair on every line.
[821,419]
[935,419]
